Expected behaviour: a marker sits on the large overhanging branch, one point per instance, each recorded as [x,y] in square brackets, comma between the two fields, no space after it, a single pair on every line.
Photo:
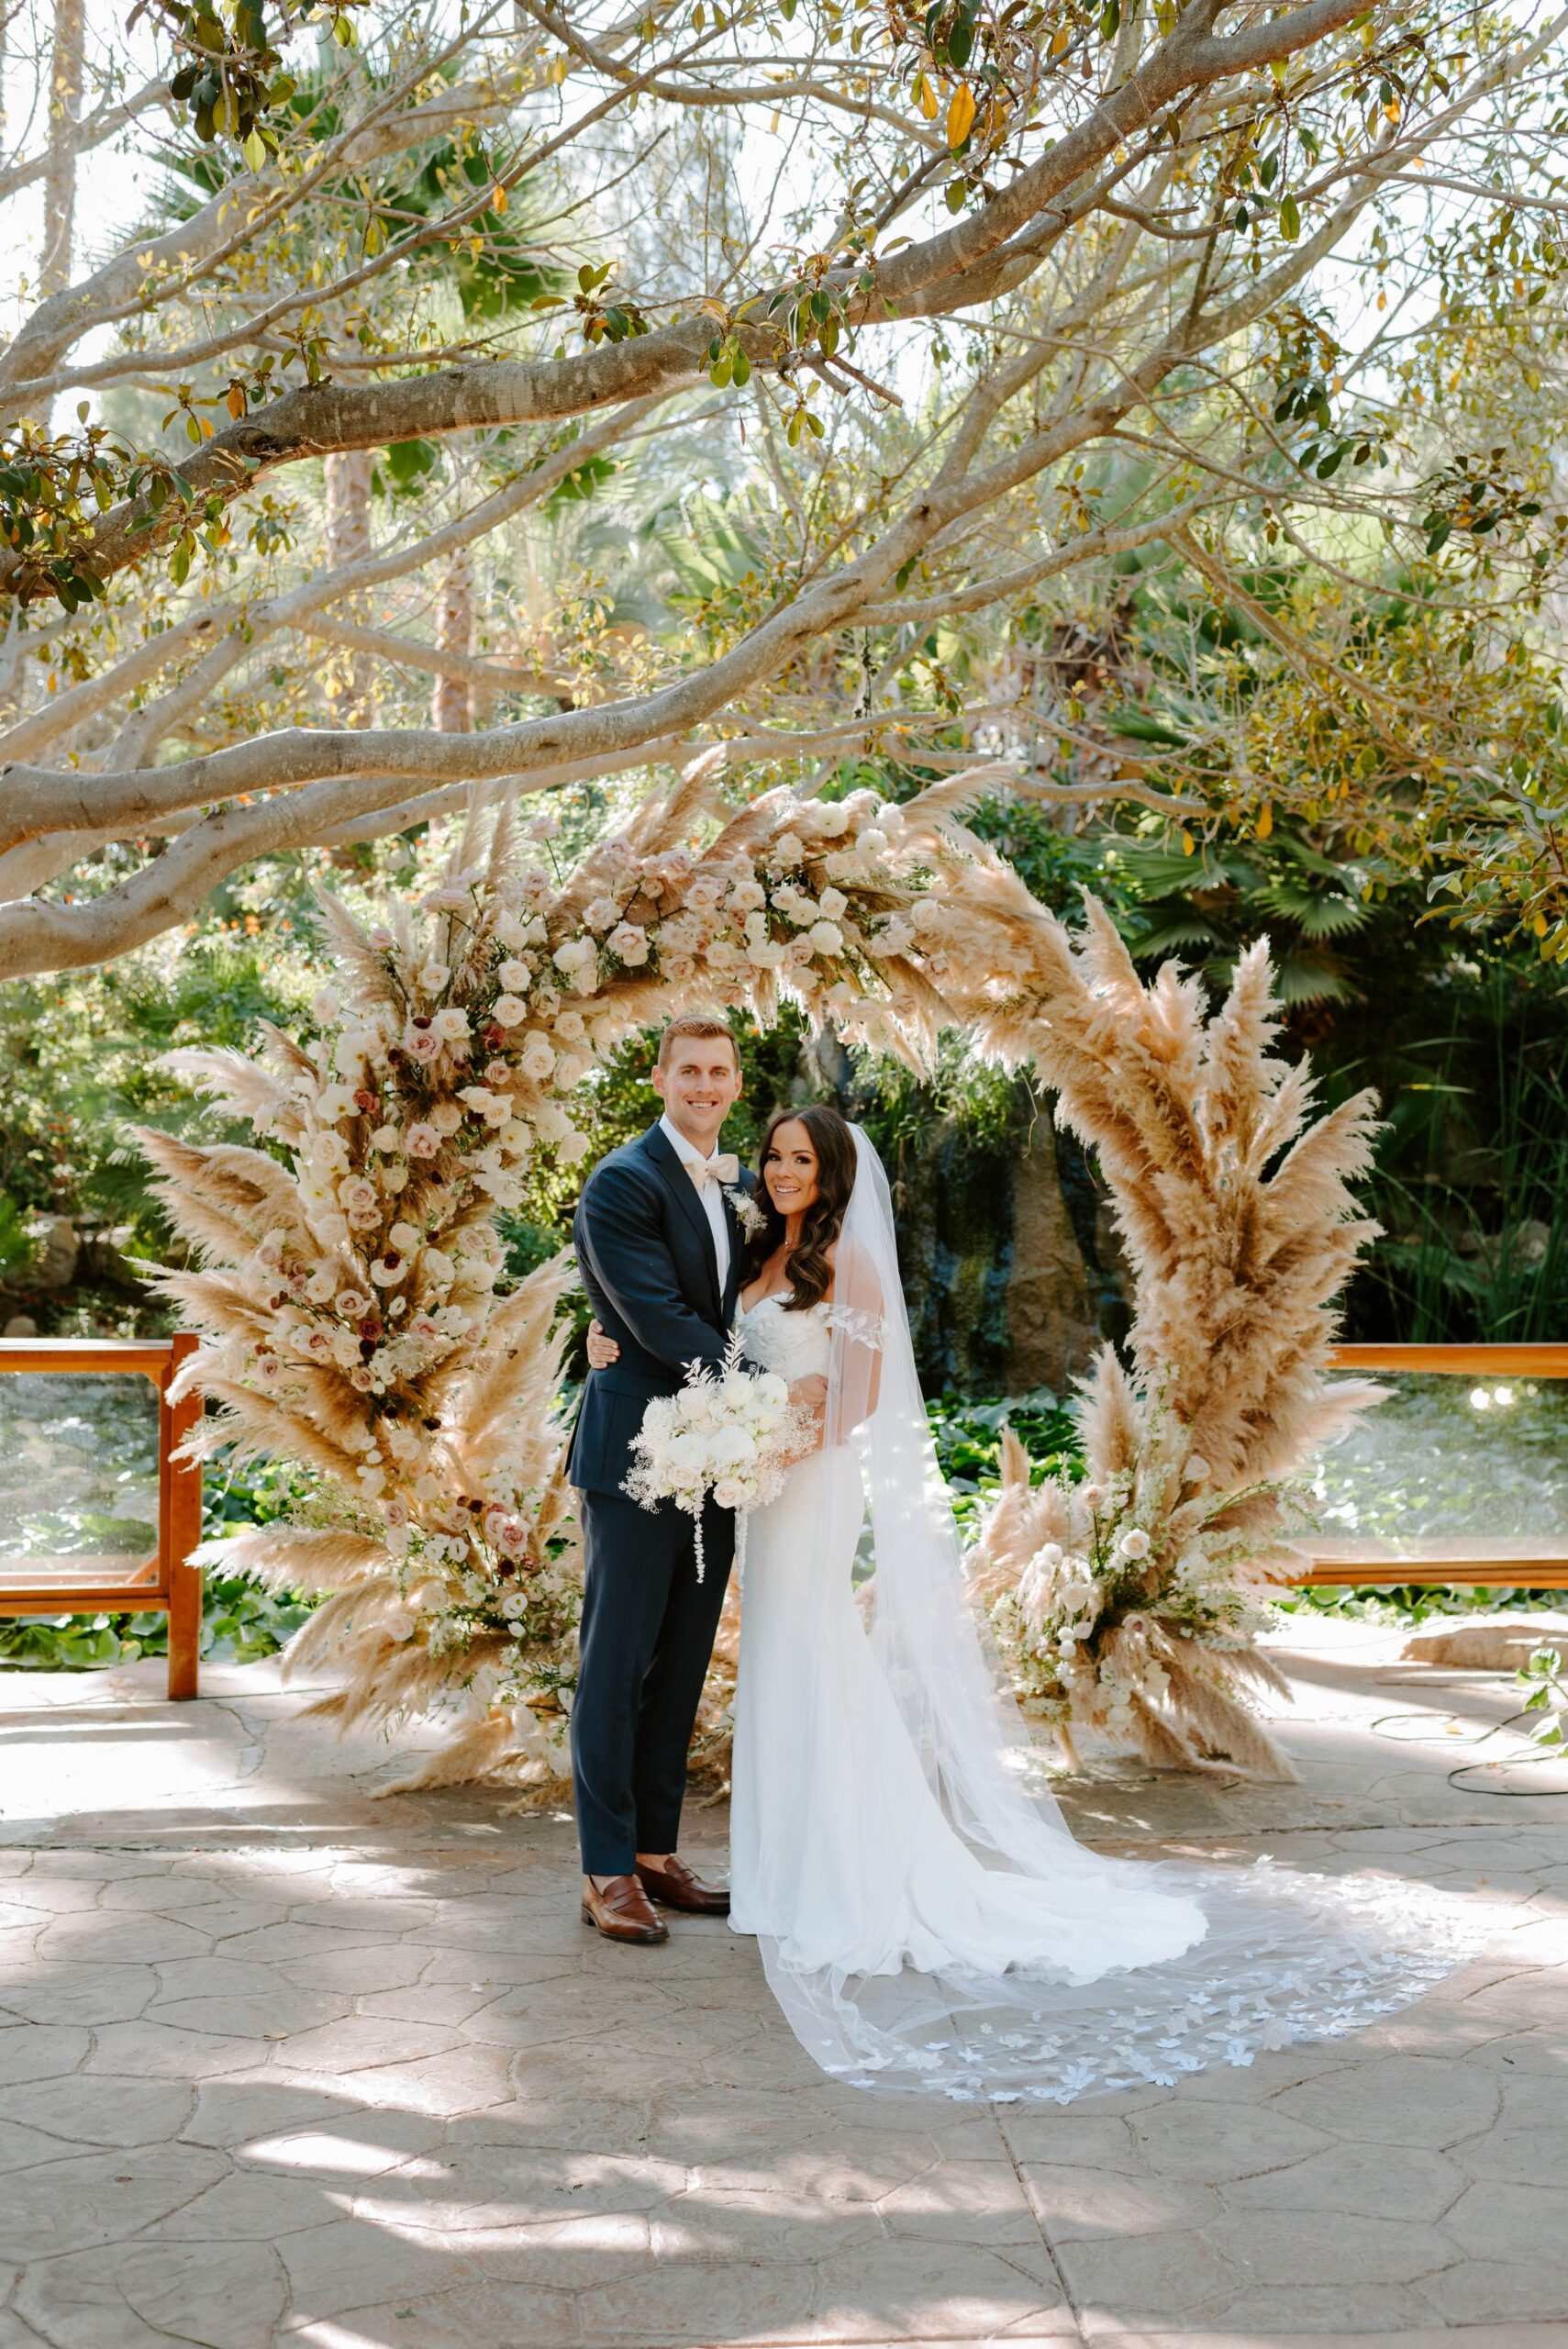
[239,630]
[962,262]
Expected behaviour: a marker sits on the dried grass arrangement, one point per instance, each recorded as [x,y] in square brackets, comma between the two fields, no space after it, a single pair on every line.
[346,1273]
[346,1277]
[1129,1602]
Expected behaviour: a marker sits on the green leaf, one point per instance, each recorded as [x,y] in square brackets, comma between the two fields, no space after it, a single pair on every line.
[1290,220]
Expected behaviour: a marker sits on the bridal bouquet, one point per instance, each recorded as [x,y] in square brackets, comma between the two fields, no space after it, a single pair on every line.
[731,1432]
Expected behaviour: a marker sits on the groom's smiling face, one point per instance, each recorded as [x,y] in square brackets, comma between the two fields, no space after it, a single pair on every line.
[699,1083]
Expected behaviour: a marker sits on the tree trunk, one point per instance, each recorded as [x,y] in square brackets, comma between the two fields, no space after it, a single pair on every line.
[452,705]
[60,178]
[347,541]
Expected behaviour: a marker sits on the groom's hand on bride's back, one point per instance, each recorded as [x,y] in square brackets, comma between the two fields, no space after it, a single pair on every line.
[809,1394]
[603,1352]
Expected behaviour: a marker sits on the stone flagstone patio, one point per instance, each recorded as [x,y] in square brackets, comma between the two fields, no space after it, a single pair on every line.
[283,2065]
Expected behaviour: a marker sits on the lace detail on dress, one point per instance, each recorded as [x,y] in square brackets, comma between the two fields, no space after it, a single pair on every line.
[860,1327]
[795,1345]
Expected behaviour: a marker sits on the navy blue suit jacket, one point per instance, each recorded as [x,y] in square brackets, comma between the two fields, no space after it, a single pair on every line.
[647,1258]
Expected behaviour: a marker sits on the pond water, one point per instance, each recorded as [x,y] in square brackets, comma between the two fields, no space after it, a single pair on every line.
[1450,1467]
[78,1476]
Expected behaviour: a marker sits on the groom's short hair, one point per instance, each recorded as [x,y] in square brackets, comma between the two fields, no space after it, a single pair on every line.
[699,1025]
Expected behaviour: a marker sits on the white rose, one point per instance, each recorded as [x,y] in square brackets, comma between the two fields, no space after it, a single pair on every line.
[686,1456]
[507,1009]
[574,953]
[729,1493]
[765,954]
[325,1004]
[746,896]
[397,1623]
[733,1447]
[538,1060]
[789,848]
[773,1390]
[438,1265]
[387,1138]
[827,937]
[403,1236]
[450,1024]
[518,1136]
[601,913]
[432,976]
[629,943]
[321,1286]
[572,1147]
[873,842]
[1135,1542]
[833,903]
[831,822]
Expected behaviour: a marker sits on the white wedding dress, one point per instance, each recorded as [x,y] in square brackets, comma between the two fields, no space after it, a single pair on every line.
[925,1916]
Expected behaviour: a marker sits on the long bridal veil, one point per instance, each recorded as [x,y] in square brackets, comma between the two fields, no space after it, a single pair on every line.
[1124,1971]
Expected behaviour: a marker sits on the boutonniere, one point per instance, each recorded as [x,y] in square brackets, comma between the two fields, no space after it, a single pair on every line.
[748,1214]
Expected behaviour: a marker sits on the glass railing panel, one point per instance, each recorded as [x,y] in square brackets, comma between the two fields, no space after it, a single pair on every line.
[79,1482]
[1458,1469]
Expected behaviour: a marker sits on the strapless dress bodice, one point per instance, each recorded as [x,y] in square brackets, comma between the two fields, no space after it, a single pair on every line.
[795,1344]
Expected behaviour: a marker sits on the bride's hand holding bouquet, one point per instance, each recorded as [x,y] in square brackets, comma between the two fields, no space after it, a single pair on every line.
[731,1434]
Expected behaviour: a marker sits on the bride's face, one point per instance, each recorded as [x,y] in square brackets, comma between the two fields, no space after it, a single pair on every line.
[789,1169]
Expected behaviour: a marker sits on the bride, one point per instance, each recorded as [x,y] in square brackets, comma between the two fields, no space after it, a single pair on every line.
[925,1916]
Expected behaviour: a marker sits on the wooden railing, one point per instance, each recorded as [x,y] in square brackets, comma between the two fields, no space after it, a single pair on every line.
[164,1582]
[1498,1561]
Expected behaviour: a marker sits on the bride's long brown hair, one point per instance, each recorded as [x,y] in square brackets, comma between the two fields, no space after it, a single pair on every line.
[809,1273]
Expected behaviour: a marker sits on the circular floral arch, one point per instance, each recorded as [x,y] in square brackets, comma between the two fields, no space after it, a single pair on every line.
[346,1279]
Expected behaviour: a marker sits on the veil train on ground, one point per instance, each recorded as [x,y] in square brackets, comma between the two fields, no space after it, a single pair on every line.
[1136,1971]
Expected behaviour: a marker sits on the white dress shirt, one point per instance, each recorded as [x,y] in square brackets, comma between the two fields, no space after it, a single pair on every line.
[711,1195]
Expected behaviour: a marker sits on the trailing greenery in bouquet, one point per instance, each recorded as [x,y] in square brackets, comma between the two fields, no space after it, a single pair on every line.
[346,1281]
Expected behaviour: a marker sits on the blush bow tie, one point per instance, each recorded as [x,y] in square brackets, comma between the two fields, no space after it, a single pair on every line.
[726,1168]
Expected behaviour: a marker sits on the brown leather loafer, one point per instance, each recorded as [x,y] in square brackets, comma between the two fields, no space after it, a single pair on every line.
[677,1888]
[622,1911]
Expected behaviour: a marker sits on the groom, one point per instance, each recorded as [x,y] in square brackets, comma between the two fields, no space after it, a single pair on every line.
[659,1248]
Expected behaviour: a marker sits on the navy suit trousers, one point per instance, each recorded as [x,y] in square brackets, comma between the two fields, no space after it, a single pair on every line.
[647,1635]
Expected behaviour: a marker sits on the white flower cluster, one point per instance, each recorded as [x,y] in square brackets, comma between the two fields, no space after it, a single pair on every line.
[806,912]
[729,1433]
[1142,1558]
